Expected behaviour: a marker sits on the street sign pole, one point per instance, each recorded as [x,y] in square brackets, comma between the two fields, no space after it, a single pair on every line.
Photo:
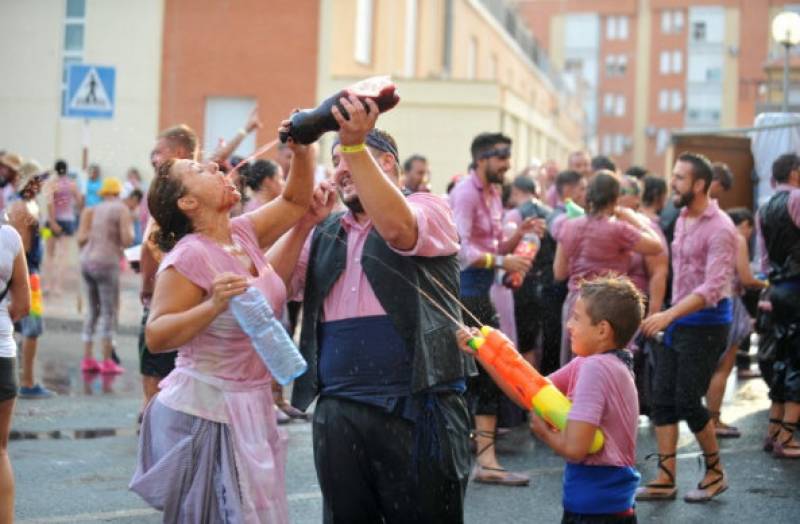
[85,139]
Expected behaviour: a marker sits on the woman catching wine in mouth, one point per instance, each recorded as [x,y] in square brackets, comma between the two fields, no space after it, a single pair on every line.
[210,450]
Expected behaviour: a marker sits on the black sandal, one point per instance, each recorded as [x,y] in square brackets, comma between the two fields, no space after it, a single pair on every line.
[723,430]
[702,494]
[769,440]
[785,448]
[645,493]
[499,476]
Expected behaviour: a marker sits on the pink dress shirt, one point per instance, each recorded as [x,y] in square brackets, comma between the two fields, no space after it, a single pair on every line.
[352,295]
[551,198]
[703,255]
[478,218]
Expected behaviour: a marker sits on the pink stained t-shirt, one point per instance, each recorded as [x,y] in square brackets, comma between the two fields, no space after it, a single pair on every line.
[638,269]
[603,393]
[352,295]
[222,350]
[596,245]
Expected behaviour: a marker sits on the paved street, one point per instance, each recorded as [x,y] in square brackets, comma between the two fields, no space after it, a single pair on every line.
[74,454]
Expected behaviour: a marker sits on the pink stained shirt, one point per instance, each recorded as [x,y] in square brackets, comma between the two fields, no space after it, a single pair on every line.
[638,269]
[703,255]
[793,206]
[596,245]
[478,217]
[222,350]
[603,393]
[352,295]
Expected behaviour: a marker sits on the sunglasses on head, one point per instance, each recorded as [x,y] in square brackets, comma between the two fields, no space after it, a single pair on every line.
[499,152]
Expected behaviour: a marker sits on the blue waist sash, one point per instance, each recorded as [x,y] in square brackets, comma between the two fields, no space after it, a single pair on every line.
[476,282]
[791,284]
[718,315]
[599,490]
[364,359]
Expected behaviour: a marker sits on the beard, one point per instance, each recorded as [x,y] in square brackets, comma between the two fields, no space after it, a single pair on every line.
[494,177]
[353,204]
[682,199]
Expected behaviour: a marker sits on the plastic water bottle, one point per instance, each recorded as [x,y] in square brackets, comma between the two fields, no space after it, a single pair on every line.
[271,341]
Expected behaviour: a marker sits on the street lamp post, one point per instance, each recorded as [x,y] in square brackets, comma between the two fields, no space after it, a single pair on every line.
[786,32]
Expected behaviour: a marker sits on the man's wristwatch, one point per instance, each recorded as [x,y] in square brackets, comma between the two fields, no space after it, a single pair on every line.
[498,261]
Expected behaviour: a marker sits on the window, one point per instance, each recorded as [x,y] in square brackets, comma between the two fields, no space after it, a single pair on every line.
[611,28]
[623,27]
[619,144]
[699,31]
[666,22]
[76,8]
[677,21]
[663,100]
[676,100]
[363,50]
[664,63]
[608,104]
[410,58]
[616,65]
[472,58]
[619,108]
[606,147]
[616,28]
[677,62]
[223,116]
[72,51]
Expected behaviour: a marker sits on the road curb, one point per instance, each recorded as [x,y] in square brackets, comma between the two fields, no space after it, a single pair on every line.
[74,325]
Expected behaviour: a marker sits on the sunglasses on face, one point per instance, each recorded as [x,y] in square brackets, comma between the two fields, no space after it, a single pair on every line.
[500,152]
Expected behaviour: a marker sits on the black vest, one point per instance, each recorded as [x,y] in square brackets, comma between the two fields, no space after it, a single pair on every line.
[781,237]
[425,330]
[541,274]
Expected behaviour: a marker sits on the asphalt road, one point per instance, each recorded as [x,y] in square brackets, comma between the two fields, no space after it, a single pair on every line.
[74,454]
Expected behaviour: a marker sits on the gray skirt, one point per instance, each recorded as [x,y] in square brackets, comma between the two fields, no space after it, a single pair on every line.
[186,468]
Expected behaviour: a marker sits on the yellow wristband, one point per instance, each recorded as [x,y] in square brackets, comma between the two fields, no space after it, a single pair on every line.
[353,149]
[489,261]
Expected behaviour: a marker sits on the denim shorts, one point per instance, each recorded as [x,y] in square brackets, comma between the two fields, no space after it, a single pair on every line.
[68,227]
[8,378]
[30,326]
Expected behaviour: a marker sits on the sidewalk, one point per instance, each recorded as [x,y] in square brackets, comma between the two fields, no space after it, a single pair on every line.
[67,310]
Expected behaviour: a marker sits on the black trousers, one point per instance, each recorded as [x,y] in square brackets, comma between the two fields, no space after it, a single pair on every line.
[484,395]
[683,372]
[537,311]
[785,384]
[367,471]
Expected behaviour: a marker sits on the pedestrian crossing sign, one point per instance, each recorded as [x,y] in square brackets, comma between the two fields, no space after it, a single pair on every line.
[90,91]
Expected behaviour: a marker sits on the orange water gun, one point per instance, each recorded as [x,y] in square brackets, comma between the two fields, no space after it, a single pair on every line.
[36,296]
[521,382]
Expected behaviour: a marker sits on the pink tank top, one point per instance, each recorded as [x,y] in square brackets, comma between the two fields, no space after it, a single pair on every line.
[64,199]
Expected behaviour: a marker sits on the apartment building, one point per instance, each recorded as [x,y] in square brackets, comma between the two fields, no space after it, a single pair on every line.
[655,66]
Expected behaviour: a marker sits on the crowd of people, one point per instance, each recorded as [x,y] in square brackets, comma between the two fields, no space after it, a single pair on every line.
[628,294]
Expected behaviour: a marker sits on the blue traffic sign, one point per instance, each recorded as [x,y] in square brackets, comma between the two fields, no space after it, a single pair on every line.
[90,91]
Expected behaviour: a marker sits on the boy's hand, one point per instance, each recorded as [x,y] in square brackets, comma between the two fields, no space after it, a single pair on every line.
[463,334]
[540,428]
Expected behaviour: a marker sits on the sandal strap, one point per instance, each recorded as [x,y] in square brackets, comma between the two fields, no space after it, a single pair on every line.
[659,485]
[661,460]
[712,465]
[790,428]
[717,480]
[776,421]
[484,434]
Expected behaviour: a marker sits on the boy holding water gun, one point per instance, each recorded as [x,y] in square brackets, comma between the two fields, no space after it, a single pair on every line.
[598,487]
